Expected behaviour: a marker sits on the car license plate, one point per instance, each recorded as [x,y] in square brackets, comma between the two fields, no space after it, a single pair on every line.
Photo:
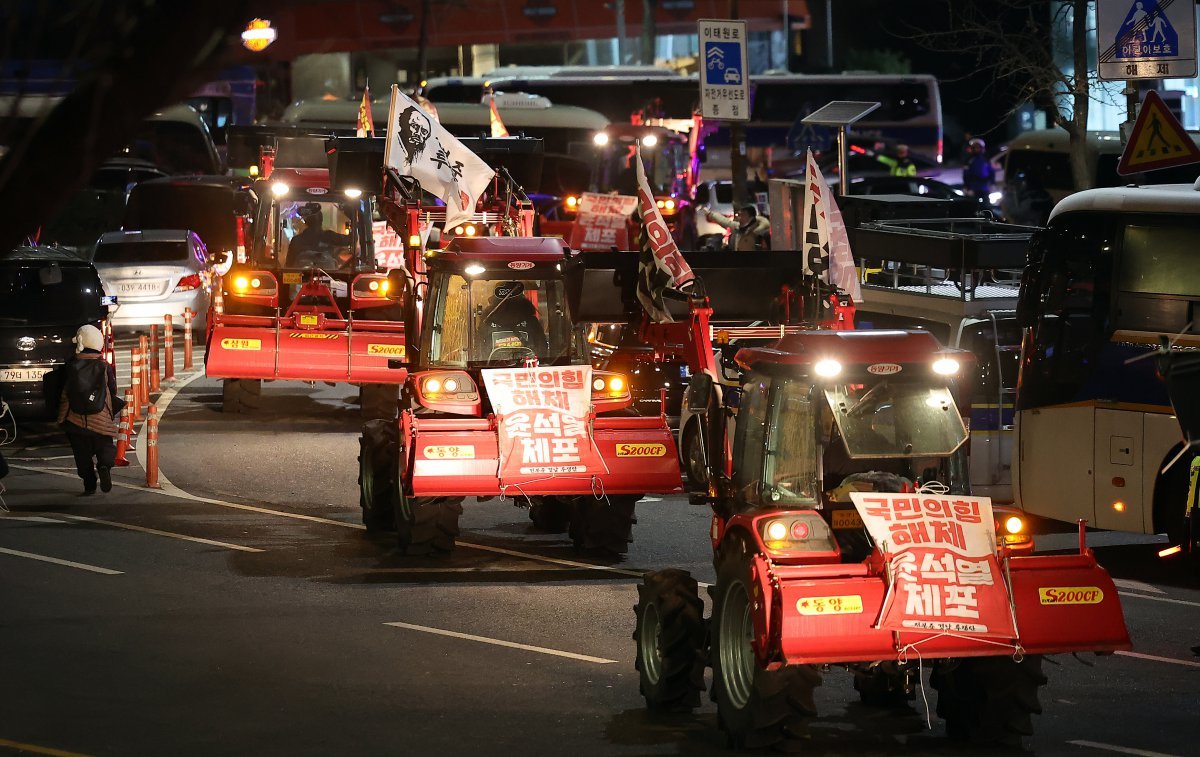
[138,287]
[846,519]
[22,374]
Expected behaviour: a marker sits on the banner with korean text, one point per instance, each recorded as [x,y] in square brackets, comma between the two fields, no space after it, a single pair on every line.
[602,222]
[941,550]
[542,413]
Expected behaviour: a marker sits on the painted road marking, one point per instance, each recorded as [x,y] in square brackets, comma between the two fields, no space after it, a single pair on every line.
[1156,658]
[33,519]
[1119,749]
[156,532]
[56,561]
[1126,583]
[22,747]
[502,643]
[170,490]
[1160,599]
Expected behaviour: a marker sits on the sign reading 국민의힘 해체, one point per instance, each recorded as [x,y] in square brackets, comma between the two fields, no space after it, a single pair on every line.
[724,82]
[1146,39]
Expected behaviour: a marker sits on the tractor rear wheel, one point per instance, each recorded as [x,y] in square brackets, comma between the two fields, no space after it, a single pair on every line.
[989,700]
[426,525]
[379,400]
[694,457]
[604,525]
[378,460]
[670,641]
[756,707]
[241,395]
[550,514]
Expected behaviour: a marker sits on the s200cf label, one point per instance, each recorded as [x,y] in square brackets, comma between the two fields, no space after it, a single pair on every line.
[1070,595]
[641,450]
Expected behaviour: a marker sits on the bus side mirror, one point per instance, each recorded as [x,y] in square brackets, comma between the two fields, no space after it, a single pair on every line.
[699,393]
[1027,298]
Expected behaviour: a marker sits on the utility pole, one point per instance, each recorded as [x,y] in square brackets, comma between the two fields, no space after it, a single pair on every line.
[649,31]
[737,141]
[423,40]
[619,7]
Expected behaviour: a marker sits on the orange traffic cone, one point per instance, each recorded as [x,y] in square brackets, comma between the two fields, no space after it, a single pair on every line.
[144,345]
[155,375]
[168,350]
[135,380]
[187,339]
[152,448]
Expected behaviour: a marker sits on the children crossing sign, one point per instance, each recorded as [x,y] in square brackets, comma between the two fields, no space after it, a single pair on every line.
[1146,39]
[1157,140]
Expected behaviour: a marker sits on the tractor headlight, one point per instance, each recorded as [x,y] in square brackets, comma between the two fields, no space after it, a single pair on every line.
[945,366]
[827,368]
[1013,524]
[279,189]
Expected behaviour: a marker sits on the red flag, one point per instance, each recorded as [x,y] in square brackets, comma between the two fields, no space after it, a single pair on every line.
[498,129]
[366,123]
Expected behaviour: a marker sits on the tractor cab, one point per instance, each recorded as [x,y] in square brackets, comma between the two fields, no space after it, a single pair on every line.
[826,413]
[499,302]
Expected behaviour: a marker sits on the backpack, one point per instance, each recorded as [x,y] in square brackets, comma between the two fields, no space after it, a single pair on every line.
[87,383]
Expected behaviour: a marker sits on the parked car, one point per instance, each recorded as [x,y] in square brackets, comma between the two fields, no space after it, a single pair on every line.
[155,273]
[220,209]
[46,294]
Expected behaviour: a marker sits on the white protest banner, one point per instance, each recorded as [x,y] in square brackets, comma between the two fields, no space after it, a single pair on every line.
[942,553]
[826,242]
[543,422]
[602,222]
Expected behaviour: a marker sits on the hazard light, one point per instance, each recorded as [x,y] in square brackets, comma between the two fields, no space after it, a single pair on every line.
[448,391]
[610,391]
[945,366]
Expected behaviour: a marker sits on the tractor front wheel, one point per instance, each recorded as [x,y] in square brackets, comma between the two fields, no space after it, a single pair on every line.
[695,457]
[604,525]
[379,400]
[378,461]
[426,525]
[550,515]
[756,707]
[241,395]
[989,700]
[670,641]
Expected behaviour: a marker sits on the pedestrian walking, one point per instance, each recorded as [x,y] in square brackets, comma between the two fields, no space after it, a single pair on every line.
[750,230]
[88,408]
[979,173]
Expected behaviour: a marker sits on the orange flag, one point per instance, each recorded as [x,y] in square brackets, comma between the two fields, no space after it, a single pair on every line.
[498,129]
[366,123]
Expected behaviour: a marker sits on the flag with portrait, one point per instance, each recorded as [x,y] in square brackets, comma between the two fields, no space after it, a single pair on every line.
[420,147]
[661,265]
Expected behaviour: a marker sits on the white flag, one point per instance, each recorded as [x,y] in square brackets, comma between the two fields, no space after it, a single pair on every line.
[826,243]
[420,147]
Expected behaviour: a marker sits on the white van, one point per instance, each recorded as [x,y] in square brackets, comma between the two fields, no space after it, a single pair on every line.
[1037,171]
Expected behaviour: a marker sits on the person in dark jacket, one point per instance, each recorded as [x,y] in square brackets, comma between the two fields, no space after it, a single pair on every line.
[92,434]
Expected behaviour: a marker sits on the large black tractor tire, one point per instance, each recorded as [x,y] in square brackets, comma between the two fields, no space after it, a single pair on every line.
[670,641]
[241,395]
[603,525]
[378,462]
[756,707]
[881,688]
[989,700]
[550,515]
[426,525]
[694,457]
[379,400]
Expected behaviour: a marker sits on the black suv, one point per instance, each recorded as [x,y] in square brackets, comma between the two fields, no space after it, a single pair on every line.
[46,294]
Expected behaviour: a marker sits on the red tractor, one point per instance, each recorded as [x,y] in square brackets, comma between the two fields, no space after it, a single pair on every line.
[307,301]
[818,419]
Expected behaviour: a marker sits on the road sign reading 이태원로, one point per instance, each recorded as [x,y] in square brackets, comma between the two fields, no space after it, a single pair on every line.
[1146,39]
[724,83]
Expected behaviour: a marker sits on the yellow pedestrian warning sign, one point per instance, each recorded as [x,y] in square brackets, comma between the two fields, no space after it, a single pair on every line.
[1157,140]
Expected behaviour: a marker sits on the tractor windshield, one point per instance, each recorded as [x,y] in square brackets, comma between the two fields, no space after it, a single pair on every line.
[894,419]
[498,322]
[305,232]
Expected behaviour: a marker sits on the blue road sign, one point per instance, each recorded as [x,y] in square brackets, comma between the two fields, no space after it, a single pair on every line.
[721,63]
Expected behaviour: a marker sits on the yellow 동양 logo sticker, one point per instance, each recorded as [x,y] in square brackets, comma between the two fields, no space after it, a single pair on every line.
[849,604]
[449,452]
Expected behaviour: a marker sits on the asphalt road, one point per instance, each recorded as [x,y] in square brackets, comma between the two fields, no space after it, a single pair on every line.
[242,610]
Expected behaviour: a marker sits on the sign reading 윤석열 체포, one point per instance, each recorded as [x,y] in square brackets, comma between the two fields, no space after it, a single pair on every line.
[1146,39]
